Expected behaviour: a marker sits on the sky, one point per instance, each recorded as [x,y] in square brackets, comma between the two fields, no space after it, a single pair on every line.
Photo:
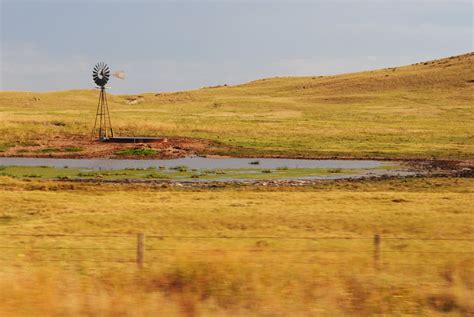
[180,45]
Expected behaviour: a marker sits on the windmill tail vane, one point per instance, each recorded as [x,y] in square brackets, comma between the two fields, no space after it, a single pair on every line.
[120,74]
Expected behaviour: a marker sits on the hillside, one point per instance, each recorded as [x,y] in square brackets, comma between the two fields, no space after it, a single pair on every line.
[425,110]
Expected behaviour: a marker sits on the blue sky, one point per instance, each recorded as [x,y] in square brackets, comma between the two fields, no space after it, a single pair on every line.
[176,45]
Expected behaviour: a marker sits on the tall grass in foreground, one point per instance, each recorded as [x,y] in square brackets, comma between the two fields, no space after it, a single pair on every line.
[231,286]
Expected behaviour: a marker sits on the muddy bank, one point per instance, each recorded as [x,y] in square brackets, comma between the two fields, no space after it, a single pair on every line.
[81,146]
[454,168]
[248,183]
[419,173]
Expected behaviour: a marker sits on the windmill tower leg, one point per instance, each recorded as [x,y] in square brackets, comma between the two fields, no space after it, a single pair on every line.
[109,131]
[103,130]
[94,133]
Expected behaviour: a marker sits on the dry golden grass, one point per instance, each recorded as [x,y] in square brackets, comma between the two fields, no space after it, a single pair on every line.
[241,277]
[230,289]
[423,110]
[416,111]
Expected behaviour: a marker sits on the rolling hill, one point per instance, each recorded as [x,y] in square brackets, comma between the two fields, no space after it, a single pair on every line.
[425,110]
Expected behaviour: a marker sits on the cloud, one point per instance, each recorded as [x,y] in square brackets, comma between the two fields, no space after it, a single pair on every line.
[25,67]
[166,48]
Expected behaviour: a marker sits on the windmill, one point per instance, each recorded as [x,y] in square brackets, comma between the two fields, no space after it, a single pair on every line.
[102,125]
[103,130]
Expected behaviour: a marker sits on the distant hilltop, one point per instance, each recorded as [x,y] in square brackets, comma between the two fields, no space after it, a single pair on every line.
[454,71]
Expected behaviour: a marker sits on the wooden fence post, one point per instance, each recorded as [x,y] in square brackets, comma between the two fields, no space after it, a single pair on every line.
[140,250]
[377,240]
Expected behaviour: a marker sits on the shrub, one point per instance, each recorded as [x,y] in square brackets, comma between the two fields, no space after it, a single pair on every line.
[180,168]
[225,284]
[58,123]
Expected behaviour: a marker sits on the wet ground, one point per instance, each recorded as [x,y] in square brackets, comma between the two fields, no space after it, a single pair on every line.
[197,169]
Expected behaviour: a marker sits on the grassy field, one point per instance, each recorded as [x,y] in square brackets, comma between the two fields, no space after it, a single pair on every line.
[244,250]
[419,111]
[251,275]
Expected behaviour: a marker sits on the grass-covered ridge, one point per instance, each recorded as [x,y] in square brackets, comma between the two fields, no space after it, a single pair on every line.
[417,111]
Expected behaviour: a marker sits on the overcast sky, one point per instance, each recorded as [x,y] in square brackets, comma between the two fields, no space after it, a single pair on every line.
[176,45]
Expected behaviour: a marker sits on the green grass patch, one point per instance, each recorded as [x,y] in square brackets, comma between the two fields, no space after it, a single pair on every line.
[4,147]
[49,150]
[73,149]
[136,152]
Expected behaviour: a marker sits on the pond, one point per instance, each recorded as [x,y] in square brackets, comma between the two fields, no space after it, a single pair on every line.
[192,163]
[199,169]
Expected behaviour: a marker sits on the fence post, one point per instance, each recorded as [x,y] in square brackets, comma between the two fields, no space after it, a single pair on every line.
[377,240]
[140,250]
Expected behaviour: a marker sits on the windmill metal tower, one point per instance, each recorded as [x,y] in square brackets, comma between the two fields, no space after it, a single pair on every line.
[103,130]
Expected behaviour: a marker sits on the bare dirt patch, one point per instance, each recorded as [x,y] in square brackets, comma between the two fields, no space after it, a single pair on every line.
[82,147]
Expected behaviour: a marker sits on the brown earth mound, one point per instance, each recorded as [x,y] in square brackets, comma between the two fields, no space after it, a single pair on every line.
[82,147]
